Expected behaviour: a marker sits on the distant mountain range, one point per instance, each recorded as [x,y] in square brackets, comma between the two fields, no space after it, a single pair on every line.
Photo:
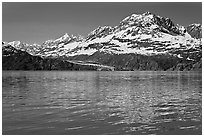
[140,42]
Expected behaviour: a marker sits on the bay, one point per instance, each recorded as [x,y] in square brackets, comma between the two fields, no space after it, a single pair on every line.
[101,102]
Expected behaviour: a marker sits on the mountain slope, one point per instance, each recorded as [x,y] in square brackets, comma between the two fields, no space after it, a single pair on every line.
[14,59]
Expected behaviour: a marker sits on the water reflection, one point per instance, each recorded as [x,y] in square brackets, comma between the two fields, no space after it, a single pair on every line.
[102,102]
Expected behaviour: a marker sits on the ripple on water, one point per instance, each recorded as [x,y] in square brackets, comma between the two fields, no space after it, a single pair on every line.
[101,103]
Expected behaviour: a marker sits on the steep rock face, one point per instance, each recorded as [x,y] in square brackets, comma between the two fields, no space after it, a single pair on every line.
[195,30]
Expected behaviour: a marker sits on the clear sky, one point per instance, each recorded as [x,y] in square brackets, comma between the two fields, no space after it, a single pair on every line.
[38,22]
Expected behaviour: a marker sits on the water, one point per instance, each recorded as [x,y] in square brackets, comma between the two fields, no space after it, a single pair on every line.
[80,102]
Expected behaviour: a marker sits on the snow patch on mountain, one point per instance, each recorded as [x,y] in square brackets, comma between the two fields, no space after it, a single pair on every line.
[71,46]
[83,52]
[14,43]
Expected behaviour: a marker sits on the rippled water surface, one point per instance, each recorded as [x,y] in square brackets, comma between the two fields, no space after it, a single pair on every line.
[82,102]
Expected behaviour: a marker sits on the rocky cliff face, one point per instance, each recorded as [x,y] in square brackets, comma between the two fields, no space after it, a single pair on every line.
[195,30]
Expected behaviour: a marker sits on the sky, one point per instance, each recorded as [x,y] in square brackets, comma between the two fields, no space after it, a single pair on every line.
[38,22]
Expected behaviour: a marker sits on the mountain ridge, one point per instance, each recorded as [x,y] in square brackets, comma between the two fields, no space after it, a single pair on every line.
[139,35]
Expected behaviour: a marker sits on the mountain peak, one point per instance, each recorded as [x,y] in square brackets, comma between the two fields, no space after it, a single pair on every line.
[147,13]
[195,25]
[65,35]
[63,38]
[14,43]
[105,30]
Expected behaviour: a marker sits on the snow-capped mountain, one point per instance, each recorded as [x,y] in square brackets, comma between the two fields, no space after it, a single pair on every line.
[49,48]
[144,34]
